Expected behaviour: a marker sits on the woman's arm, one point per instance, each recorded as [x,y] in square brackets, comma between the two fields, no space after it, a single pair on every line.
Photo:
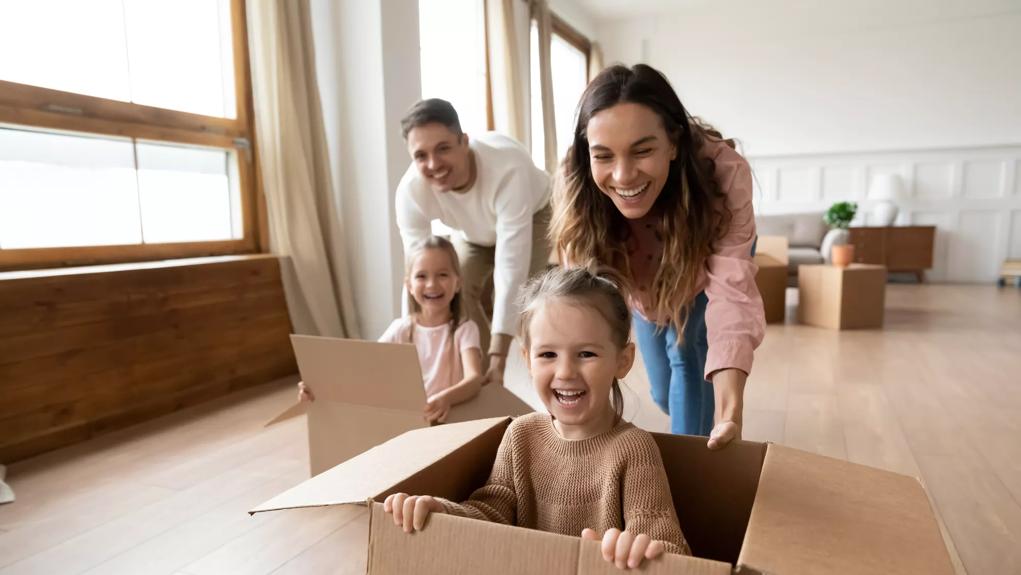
[728,389]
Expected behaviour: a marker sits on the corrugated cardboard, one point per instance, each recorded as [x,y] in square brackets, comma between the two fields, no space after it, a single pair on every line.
[841,298]
[771,280]
[760,508]
[368,392]
[775,247]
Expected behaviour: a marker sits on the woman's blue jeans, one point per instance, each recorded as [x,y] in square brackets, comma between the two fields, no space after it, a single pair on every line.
[677,374]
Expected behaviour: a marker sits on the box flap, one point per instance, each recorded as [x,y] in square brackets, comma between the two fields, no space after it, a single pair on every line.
[375,472]
[339,431]
[713,502]
[815,514]
[299,408]
[591,562]
[450,544]
[361,372]
[492,401]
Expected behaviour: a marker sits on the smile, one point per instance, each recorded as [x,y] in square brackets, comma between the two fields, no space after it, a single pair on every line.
[441,175]
[631,193]
[568,397]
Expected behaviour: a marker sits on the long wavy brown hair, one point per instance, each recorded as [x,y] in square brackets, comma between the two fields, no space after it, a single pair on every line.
[587,229]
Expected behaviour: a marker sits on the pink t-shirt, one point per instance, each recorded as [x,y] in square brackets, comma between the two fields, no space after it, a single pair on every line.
[441,363]
[735,323]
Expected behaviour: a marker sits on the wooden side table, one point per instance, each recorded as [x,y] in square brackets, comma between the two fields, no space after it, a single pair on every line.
[842,298]
[899,248]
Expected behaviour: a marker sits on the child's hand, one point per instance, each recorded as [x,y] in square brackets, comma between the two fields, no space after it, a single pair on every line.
[411,511]
[625,549]
[437,408]
[305,392]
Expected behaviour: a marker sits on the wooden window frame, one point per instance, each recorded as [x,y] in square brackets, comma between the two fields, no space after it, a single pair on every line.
[574,38]
[37,107]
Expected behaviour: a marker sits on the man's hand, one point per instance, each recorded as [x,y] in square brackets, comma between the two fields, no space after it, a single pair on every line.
[497,365]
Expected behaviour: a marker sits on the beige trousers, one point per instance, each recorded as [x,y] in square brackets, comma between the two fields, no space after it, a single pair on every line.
[477,273]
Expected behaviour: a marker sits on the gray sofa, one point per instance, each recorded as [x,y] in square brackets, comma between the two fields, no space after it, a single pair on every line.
[808,237]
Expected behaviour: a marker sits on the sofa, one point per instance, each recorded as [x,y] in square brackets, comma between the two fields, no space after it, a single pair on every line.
[809,239]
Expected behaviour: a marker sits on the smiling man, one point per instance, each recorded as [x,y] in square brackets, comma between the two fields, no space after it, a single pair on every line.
[489,191]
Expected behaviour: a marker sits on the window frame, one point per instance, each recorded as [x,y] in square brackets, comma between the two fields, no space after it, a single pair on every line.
[575,38]
[23,105]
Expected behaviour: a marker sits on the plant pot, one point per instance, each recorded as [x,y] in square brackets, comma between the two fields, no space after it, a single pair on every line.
[842,255]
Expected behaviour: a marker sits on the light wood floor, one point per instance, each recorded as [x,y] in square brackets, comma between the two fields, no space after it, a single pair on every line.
[935,394]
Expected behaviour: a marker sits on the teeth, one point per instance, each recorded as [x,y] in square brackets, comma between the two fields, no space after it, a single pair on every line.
[632,192]
[569,393]
[441,175]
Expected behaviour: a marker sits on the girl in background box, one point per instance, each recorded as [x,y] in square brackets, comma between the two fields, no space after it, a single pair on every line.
[580,469]
[447,342]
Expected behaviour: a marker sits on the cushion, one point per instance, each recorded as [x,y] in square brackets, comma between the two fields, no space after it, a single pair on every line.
[801,229]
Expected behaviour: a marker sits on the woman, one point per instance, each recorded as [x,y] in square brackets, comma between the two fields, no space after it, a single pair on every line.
[661,198]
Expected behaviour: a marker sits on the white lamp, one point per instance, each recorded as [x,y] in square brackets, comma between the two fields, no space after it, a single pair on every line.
[887,189]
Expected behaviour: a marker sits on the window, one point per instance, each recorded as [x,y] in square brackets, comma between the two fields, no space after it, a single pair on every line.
[453,52]
[124,131]
[569,53]
[452,36]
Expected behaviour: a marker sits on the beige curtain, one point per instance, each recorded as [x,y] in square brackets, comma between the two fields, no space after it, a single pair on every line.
[595,61]
[541,14]
[304,219]
[506,71]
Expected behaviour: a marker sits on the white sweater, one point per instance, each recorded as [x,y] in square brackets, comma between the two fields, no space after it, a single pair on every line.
[497,210]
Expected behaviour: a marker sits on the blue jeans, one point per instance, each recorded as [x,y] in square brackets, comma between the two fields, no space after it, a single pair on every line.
[677,374]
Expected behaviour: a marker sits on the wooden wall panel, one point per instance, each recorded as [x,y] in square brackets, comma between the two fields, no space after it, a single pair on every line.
[87,351]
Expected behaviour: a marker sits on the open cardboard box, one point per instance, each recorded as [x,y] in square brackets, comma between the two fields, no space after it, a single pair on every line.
[368,392]
[751,508]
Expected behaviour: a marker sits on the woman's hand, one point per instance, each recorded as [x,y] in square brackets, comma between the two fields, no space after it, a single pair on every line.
[723,433]
[305,392]
[625,549]
[411,511]
[728,389]
[437,408]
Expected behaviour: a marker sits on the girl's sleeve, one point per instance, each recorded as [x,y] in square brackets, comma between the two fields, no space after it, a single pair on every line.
[496,501]
[735,320]
[647,503]
[468,336]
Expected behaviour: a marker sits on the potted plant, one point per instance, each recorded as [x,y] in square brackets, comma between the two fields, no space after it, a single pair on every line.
[839,217]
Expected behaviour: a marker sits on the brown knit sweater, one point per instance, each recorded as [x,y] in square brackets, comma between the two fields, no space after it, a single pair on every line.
[543,481]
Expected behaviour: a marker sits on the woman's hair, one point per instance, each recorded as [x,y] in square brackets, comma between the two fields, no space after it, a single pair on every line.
[587,227]
[457,315]
[596,289]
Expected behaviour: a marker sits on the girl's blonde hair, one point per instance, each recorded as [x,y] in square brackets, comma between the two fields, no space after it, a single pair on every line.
[457,314]
[587,228]
[597,289]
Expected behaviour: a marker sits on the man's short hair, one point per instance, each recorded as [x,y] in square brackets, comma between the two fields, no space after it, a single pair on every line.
[431,111]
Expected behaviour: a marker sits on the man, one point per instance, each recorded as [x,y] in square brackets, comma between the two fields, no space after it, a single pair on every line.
[490,192]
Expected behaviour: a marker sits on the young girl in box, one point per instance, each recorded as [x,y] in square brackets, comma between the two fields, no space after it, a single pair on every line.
[580,469]
[447,342]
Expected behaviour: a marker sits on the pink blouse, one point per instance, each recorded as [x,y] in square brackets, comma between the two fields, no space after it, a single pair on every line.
[735,321]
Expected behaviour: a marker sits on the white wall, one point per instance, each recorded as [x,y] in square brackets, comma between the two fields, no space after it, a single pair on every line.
[368,71]
[822,94]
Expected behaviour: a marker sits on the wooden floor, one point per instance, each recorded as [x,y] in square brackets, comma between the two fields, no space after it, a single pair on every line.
[935,394]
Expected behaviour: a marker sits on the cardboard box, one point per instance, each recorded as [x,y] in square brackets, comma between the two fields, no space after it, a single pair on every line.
[772,282]
[751,508]
[368,392]
[775,247]
[842,298]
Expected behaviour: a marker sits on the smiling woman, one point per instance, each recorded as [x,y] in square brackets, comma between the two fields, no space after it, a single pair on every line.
[662,199]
